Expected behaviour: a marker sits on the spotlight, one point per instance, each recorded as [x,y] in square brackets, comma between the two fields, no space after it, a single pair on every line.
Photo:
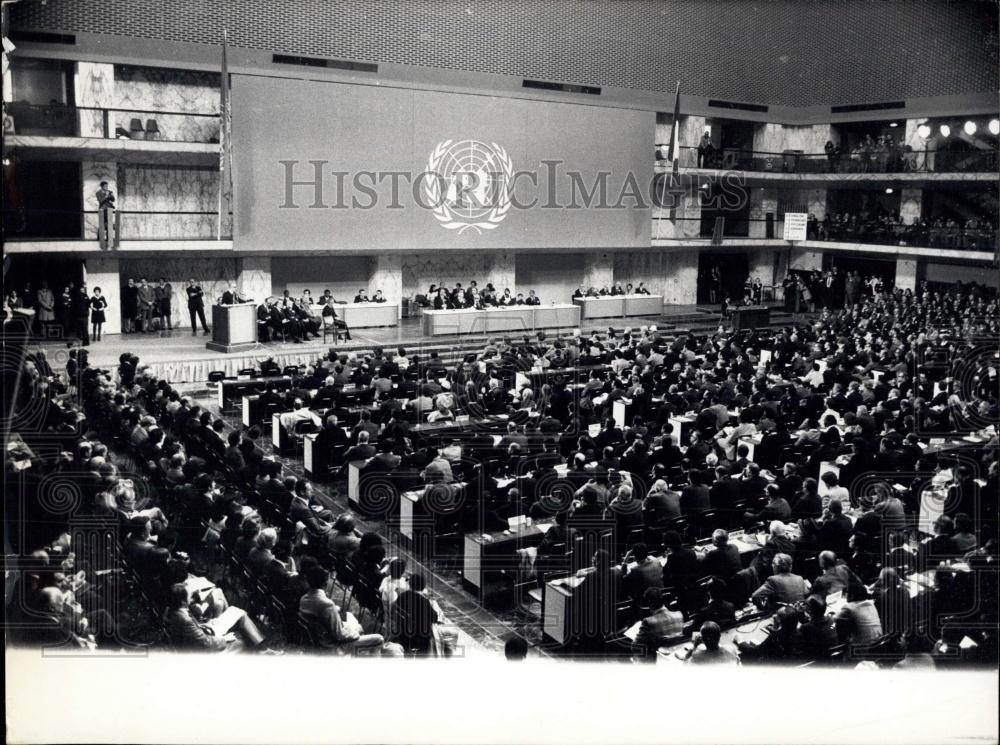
[945,130]
[889,190]
[970,128]
[924,131]
[893,124]
[995,126]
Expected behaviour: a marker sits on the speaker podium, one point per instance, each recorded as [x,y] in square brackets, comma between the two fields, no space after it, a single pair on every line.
[234,327]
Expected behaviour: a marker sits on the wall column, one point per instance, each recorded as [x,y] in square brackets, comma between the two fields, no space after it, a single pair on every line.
[253,277]
[385,272]
[805,260]
[501,271]
[104,273]
[906,274]
[94,85]
[680,277]
[910,204]
[598,270]
[762,201]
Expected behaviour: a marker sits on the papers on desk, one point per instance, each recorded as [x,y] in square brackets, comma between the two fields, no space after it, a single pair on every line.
[544,527]
[632,633]
[224,623]
[195,584]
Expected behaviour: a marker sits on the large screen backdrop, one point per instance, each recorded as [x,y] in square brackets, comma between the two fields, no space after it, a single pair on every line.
[362,135]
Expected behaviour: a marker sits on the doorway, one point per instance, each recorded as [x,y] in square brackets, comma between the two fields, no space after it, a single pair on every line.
[733,270]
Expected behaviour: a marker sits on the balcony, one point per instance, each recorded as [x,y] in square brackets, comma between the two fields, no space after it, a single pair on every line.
[37,226]
[900,162]
[956,242]
[75,133]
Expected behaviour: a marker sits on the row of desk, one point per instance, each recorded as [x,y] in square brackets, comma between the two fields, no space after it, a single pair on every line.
[365,315]
[507,318]
[620,306]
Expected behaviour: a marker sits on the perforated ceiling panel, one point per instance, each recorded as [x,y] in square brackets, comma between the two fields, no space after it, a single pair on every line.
[806,52]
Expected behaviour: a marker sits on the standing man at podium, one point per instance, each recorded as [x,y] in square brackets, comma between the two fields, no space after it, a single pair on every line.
[231,296]
[196,306]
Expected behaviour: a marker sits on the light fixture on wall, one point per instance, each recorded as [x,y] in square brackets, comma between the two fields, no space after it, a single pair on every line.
[893,124]
[888,190]
[924,131]
[995,126]
[945,130]
[970,128]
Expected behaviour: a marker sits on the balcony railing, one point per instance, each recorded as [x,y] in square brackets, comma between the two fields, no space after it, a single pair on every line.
[870,233]
[131,225]
[59,120]
[893,160]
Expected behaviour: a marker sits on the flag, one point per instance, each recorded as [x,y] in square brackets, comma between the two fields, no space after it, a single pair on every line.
[673,154]
[225,140]
[675,128]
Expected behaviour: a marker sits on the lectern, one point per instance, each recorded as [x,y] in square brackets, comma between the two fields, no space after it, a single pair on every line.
[234,327]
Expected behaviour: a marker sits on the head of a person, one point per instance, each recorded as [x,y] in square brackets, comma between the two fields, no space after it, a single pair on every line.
[317,577]
[397,568]
[720,537]
[782,563]
[653,598]
[515,649]
[417,582]
[711,635]
[344,523]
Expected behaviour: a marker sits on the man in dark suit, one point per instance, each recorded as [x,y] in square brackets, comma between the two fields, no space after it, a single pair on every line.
[415,616]
[646,574]
[835,533]
[196,306]
[231,296]
[361,451]
[723,560]
[725,491]
[695,496]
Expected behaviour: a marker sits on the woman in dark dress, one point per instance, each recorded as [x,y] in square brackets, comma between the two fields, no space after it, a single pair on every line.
[97,305]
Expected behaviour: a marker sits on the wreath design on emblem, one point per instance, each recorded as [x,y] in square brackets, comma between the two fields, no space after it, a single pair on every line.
[487,163]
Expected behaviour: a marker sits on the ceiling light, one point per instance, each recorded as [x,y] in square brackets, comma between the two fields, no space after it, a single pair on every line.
[945,130]
[924,131]
[893,124]
[889,190]
[995,126]
[970,128]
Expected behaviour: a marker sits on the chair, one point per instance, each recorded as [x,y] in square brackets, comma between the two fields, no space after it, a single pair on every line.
[330,327]
[135,129]
[251,371]
[290,370]
[216,376]
[152,130]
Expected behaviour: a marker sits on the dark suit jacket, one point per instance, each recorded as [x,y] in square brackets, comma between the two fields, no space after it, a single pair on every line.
[722,562]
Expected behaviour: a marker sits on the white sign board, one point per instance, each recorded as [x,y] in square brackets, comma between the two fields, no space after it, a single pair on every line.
[795,226]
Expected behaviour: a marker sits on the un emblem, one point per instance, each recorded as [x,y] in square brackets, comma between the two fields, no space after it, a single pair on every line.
[472,188]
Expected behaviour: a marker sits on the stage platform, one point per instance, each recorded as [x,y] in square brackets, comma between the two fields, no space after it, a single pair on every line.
[180,357]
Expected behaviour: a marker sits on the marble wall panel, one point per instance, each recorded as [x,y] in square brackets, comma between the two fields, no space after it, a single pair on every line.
[153,89]
[213,274]
[168,189]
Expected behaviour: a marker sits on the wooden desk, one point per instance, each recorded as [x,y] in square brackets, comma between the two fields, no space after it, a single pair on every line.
[483,558]
[229,391]
[558,608]
[280,436]
[750,317]
[368,315]
[606,306]
[507,318]
[234,327]
[620,306]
